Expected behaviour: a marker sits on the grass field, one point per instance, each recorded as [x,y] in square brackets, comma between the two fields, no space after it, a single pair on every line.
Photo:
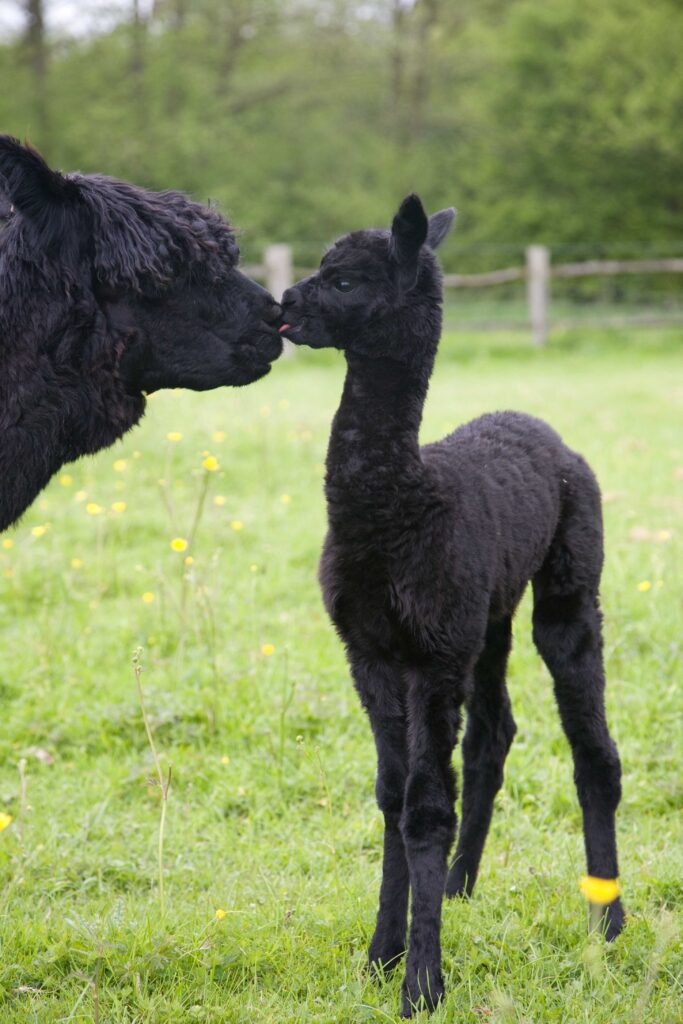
[272,840]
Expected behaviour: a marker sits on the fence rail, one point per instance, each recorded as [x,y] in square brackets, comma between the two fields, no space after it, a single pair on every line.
[278,272]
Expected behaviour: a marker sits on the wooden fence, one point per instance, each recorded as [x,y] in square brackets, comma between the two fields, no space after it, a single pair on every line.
[278,273]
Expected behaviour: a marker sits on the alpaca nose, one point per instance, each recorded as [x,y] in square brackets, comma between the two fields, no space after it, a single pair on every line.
[291,299]
[272,313]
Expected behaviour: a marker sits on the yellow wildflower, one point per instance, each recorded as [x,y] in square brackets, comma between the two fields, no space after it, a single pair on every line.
[119,506]
[218,436]
[120,465]
[285,499]
[148,597]
[210,463]
[8,573]
[179,544]
[76,563]
[5,820]
[267,650]
[220,914]
[219,500]
[225,759]
[80,495]
[236,524]
[253,567]
[599,890]
[7,543]
[137,455]
[189,560]
[174,435]
[644,586]
[66,480]
[39,531]
[93,509]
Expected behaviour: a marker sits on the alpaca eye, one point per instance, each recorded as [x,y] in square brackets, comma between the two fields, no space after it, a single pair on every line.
[342,285]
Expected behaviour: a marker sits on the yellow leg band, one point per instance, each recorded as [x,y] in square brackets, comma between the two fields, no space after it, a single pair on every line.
[599,890]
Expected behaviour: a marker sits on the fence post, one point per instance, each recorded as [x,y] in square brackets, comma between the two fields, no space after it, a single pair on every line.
[538,291]
[277,261]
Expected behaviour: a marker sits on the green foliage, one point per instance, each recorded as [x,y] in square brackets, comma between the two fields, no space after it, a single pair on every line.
[554,121]
[284,835]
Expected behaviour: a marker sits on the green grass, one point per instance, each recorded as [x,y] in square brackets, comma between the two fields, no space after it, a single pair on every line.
[284,836]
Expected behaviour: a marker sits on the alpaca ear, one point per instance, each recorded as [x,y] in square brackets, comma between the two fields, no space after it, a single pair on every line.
[439,225]
[408,235]
[34,190]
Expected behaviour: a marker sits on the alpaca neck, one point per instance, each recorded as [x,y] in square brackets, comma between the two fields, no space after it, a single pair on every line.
[51,414]
[373,460]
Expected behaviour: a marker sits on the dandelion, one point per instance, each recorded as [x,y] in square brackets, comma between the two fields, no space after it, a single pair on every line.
[644,586]
[663,535]
[80,495]
[66,480]
[174,435]
[93,509]
[210,463]
[39,531]
[7,543]
[148,597]
[219,500]
[179,544]
[267,650]
[218,436]
[225,759]
[285,499]
[189,560]
[236,524]
[120,465]
[76,563]
[253,567]
[220,914]
[599,890]
[137,455]
[5,820]
[119,506]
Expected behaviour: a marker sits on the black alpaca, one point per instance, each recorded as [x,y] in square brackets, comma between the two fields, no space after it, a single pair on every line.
[108,291]
[428,553]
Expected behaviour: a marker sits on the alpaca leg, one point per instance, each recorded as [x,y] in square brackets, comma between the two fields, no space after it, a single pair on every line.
[567,633]
[380,687]
[489,734]
[428,826]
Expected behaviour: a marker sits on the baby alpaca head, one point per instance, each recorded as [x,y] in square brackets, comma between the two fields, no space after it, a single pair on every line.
[147,282]
[377,293]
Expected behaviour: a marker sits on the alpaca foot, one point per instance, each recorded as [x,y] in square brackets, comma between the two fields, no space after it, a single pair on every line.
[613,920]
[459,882]
[385,952]
[423,988]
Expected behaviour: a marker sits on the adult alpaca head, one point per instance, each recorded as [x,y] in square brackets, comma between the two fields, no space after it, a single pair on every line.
[108,291]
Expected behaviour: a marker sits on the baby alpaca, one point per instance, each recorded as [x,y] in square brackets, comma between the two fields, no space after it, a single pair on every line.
[428,553]
[108,291]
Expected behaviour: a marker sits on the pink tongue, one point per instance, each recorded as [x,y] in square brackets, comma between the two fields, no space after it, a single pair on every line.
[285,327]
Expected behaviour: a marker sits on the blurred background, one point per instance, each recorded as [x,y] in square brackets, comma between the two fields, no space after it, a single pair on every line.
[553,123]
